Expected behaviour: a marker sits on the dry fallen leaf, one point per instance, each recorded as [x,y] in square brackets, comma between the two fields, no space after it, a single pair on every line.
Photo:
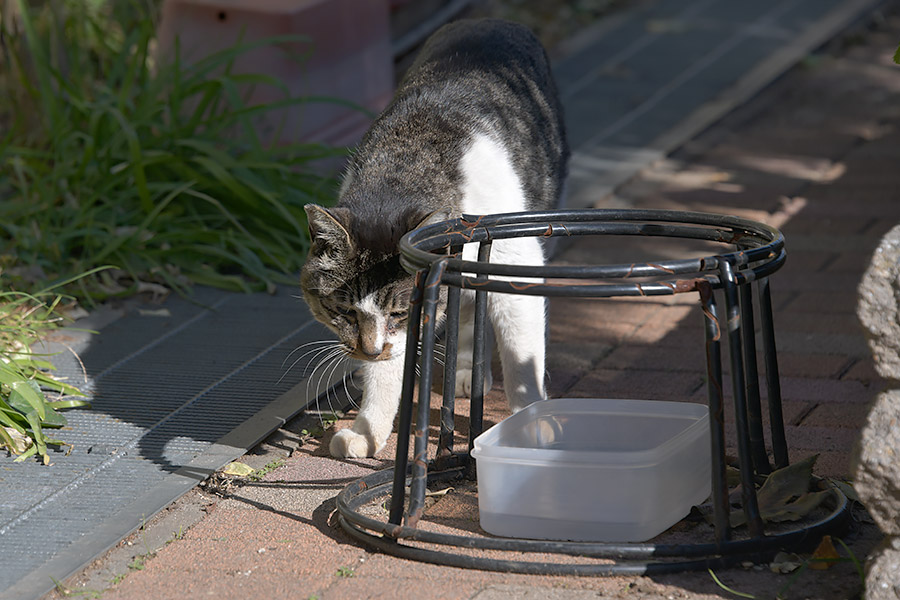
[785,562]
[786,495]
[825,555]
[238,468]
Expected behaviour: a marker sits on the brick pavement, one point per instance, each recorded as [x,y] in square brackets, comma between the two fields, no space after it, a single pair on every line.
[816,155]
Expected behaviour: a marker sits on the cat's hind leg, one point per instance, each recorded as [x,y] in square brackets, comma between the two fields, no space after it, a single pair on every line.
[520,327]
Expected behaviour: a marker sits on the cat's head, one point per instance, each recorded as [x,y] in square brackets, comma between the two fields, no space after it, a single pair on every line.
[353,281]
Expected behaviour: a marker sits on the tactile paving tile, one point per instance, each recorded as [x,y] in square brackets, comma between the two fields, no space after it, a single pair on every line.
[164,389]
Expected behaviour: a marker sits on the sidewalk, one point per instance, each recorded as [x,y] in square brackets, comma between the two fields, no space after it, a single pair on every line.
[816,155]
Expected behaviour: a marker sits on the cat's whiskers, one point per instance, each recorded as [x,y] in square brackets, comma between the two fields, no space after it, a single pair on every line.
[316,352]
[302,346]
[334,354]
[324,345]
[333,359]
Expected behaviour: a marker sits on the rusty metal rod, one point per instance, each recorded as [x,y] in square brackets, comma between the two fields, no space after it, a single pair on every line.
[733,319]
[448,403]
[479,361]
[432,293]
[773,381]
[716,396]
[754,407]
[414,319]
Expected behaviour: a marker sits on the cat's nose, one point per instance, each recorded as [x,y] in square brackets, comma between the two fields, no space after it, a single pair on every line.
[371,352]
[370,348]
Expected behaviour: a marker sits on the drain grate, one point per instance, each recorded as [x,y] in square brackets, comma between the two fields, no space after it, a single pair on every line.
[168,394]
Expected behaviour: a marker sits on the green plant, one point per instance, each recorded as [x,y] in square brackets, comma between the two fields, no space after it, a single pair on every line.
[156,166]
[69,593]
[344,572]
[258,474]
[326,421]
[138,563]
[26,377]
[824,556]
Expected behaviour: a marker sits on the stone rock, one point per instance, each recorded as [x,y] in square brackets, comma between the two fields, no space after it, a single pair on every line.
[879,305]
[883,567]
[878,461]
[878,465]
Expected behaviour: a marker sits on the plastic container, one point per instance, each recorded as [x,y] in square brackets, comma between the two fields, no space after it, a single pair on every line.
[590,469]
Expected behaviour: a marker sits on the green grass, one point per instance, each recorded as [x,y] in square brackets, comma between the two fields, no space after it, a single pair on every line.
[109,156]
[113,158]
[26,381]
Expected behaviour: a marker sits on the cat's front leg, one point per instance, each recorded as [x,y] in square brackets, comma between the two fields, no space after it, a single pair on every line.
[382,383]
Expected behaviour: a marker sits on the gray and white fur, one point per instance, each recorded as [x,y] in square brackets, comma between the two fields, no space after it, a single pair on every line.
[475,127]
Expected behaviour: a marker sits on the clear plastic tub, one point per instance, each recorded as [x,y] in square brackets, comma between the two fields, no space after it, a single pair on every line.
[591,469]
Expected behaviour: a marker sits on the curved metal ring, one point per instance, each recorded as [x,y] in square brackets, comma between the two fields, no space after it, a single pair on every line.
[635,558]
[761,254]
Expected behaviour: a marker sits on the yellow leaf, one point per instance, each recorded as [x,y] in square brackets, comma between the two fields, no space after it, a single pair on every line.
[238,468]
[825,555]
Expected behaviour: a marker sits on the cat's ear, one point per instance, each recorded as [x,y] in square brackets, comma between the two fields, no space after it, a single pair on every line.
[325,226]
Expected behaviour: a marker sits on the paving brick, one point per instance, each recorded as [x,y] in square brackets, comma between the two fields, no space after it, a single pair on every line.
[811,365]
[840,301]
[600,311]
[851,415]
[792,139]
[665,326]
[646,385]
[818,281]
[567,363]
[827,390]
[814,322]
[826,224]
[690,357]
[804,260]
[792,410]
[839,200]
[838,344]
[855,262]
[863,369]
[821,439]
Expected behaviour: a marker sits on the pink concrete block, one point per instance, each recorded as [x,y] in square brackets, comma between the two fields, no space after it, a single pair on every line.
[348,56]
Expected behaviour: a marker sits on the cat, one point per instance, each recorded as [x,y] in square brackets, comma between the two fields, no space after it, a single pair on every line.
[475,127]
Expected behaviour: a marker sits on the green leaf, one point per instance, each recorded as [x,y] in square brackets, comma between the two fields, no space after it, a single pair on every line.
[897,56]
[32,450]
[13,419]
[25,394]
[58,404]
[53,419]
[37,433]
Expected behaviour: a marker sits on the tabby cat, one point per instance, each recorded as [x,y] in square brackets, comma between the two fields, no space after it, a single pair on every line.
[475,127]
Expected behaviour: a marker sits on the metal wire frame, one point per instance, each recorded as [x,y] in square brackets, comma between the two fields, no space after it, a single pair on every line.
[434,254]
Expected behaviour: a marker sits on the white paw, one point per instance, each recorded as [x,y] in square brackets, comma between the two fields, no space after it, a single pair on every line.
[464,382]
[346,443]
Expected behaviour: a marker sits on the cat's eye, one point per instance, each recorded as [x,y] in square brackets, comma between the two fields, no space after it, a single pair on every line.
[398,314]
